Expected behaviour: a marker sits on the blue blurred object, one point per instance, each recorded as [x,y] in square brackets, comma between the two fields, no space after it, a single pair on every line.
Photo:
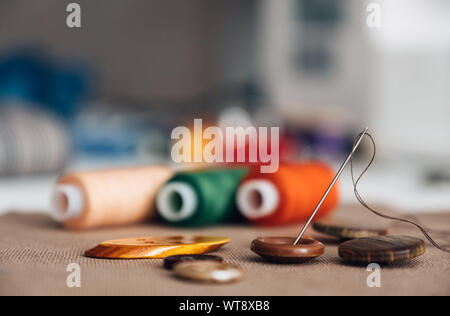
[100,130]
[33,77]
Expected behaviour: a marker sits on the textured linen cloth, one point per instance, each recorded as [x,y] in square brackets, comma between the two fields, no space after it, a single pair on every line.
[35,253]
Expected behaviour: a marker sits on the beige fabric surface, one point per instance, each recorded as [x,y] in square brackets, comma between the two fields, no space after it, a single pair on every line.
[35,252]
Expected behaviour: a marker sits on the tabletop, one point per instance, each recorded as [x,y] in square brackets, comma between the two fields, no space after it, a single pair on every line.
[35,253]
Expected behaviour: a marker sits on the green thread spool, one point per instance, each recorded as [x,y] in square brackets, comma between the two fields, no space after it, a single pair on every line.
[200,198]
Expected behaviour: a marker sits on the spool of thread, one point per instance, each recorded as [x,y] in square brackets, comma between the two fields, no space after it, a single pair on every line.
[91,199]
[287,196]
[31,141]
[200,198]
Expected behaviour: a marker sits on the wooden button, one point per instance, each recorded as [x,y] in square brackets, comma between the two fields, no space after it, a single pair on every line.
[280,249]
[170,261]
[381,249]
[156,247]
[208,271]
[348,230]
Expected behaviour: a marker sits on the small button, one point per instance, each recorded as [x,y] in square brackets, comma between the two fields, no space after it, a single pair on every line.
[208,271]
[171,261]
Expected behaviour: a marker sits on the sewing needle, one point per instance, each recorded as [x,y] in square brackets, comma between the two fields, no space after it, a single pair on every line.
[338,174]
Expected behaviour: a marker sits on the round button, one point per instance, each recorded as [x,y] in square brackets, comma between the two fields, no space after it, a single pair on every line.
[156,247]
[208,271]
[171,261]
[381,249]
[282,250]
[348,230]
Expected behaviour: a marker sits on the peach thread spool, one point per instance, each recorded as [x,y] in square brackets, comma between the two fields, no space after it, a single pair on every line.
[286,196]
[83,200]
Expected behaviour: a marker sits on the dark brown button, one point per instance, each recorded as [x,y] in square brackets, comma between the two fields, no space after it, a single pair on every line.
[347,230]
[381,249]
[170,261]
[280,249]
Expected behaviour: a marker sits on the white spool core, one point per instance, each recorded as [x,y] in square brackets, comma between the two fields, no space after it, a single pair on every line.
[165,201]
[257,199]
[68,202]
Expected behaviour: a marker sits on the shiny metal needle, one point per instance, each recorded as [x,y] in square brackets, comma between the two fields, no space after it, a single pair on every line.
[331,186]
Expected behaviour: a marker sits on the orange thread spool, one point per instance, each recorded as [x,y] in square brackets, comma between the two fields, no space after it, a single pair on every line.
[287,196]
[114,197]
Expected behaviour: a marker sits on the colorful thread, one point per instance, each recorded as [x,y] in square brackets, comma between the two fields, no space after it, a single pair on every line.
[92,199]
[200,198]
[287,196]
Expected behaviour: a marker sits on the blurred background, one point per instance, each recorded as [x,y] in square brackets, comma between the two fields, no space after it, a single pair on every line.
[110,93]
